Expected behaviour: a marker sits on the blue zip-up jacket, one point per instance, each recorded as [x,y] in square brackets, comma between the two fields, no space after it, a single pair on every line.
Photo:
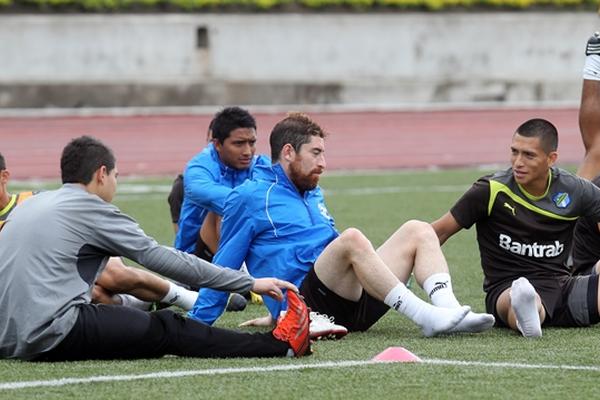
[275,229]
[206,183]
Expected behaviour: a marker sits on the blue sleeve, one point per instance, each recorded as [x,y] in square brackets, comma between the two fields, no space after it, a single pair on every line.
[237,231]
[203,188]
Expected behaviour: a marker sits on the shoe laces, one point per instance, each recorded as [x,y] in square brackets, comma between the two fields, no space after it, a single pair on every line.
[315,316]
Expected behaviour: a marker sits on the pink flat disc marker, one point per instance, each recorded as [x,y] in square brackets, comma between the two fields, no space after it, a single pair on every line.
[396,354]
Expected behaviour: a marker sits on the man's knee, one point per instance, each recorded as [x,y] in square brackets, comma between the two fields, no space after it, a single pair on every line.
[354,239]
[418,230]
[117,277]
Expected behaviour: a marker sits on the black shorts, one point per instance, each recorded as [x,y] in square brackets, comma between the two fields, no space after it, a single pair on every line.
[175,198]
[569,302]
[356,316]
[585,269]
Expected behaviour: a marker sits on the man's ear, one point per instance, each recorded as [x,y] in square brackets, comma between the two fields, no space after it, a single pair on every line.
[552,157]
[4,176]
[288,153]
[101,174]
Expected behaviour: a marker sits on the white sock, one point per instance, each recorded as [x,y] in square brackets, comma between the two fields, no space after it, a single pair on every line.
[180,297]
[523,301]
[128,300]
[439,288]
[432,320]
[591,69]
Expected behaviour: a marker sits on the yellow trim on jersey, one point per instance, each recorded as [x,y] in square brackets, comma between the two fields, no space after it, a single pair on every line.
[537,198]
[497,187]
[21,197]
[11,203]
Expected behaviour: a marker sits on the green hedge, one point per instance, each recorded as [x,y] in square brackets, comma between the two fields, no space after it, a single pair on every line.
[283,5]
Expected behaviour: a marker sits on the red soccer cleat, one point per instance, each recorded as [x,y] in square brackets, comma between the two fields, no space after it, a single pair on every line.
[293,327]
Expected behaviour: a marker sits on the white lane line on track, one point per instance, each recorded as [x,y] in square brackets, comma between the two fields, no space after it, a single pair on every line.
[277,368]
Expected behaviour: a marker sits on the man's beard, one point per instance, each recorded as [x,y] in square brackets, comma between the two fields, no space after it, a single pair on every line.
[302,181]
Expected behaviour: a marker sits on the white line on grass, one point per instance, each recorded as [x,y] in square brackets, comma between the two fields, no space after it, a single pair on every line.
[276,368]
[396,189]
[178,374]
[134,191]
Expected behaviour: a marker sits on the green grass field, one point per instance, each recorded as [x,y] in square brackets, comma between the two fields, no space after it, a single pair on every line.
[376,204]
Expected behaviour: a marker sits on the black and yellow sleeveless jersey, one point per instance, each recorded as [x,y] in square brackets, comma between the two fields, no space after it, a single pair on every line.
[522,235]
[586,242]
[14,201]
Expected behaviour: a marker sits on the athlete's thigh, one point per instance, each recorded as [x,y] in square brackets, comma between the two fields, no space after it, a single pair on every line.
[399,250]
[335,271]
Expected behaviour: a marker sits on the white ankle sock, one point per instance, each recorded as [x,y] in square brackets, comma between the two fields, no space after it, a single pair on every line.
[439,289]
[180,296]
[432,320]
[398,298]
[523,301]
[591,69]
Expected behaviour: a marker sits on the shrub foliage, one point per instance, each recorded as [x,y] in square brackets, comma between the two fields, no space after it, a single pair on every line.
[288,5]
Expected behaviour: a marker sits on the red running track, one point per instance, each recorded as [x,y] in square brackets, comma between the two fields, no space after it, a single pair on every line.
[159,145]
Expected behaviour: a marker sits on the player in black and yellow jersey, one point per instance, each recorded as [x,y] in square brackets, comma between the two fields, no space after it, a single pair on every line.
[524,218]
[7,201]
[586,245]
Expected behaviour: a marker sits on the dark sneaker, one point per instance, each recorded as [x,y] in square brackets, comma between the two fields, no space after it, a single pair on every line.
[293,327]
[236,302]
[593,45]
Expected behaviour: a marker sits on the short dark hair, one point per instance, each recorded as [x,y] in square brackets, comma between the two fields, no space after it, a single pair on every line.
[296,129]
[82,157]
[228,120]
[542,129]
[2,162]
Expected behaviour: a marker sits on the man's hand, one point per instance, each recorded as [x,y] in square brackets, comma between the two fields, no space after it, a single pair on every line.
[272,287]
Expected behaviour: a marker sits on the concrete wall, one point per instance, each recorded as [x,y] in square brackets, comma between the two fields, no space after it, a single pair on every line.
[146,60]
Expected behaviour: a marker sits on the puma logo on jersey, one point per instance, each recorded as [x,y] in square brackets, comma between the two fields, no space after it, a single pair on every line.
[511,208]
[534,250]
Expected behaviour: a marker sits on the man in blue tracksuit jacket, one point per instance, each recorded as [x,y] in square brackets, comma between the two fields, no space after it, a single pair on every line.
[278,223]
[211,175]
[280,249]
